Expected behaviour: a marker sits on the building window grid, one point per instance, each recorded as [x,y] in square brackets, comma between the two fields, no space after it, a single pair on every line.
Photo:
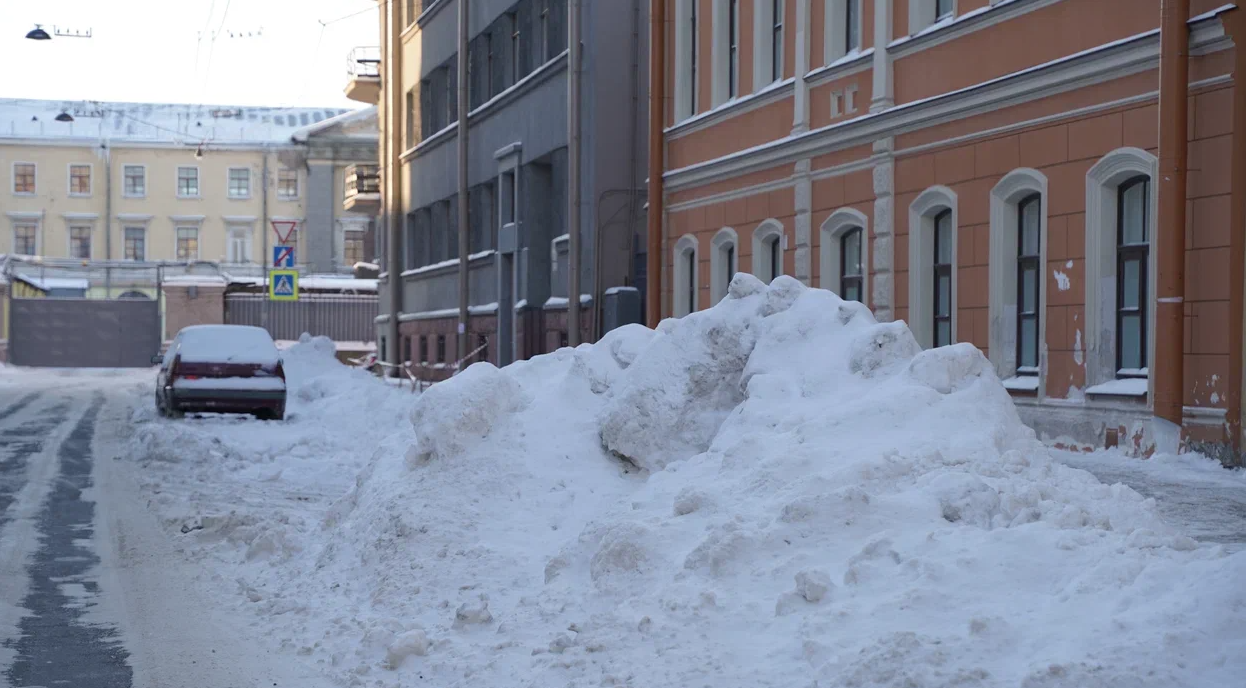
[80,242]
[239,182]
[80,180]
[776,40]
[852,37]
[729,263]
[423,350]
[692,66]
[775,248]
[943,9]
[287,184]
[187,182]
[135,243]
[943,278]
[691,282]
[543,40]
[26,239]
[352,248]
[733,44]
[515,46]
[441,348]
[1029,273]
[1132,256]
[850,277]
[187,243]
[24,177]
[135,181]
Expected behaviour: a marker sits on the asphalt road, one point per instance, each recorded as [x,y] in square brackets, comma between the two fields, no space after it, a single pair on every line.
[94,593]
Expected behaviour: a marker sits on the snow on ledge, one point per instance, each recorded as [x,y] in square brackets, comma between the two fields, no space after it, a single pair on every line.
[1021,383]
[1124,387]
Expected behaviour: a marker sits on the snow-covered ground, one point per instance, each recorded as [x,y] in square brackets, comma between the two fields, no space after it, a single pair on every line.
[778,491]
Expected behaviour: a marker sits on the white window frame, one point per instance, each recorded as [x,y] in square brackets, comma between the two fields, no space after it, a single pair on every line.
[1006,196]
[347,225]
[762,234]
[124,192]
[922,15]
[177,180]
[922,212]
[835,41]
[298,184]
[15,223]
[69,179]
[720,54]
[685,81]
[763,45]
[244,231]
[69,239]
[198,240]
[679,302]
[13,178]
[829,251]
[719,282]
[1102,181]
[126,226]
[229,183]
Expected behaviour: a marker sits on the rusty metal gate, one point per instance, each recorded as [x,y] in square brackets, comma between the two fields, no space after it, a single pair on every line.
[83,333]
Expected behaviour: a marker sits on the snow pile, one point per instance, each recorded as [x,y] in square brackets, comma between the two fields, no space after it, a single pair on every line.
[778,491]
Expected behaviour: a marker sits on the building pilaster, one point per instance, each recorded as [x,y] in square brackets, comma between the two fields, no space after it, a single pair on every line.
[883,285]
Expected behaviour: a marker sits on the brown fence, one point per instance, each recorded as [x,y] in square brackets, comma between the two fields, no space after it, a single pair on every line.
[342,318]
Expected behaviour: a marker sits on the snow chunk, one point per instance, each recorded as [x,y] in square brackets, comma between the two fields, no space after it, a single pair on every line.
[449,419]
[412,643]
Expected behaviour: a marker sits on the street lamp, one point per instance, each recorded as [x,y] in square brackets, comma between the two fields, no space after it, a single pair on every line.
[38,34]
[64,117]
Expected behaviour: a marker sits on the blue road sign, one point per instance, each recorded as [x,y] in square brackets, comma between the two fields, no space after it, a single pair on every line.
[283,256]
[283,285]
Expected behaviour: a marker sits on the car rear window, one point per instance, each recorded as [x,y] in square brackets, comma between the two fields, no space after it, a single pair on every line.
[227,344]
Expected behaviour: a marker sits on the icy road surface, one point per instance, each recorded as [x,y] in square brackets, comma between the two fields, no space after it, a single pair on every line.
[92,591]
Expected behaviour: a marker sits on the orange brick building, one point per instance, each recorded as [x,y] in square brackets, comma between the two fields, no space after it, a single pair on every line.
[986,170]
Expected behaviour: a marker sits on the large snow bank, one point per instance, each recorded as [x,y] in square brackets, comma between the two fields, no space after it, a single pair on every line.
[778,491]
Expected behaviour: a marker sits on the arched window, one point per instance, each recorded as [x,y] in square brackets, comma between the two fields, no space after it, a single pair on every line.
[685,278]
[722,263]
[850,265]
[1029,275]
[768,250]
[1132,257]
[135,296]
[943,257]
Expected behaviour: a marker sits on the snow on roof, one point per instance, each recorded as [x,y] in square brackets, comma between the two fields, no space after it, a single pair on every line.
[365,116]
[47,283]
[156,122]
[319,282]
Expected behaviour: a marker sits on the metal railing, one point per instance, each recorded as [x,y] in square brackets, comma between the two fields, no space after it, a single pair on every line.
[364,62]
[342,318]
[362,179]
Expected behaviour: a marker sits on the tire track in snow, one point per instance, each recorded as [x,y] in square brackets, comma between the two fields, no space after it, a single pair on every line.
[18,405]
[17,445]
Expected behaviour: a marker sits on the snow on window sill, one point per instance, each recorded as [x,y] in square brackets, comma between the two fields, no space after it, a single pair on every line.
[1021,383]
[1124,387]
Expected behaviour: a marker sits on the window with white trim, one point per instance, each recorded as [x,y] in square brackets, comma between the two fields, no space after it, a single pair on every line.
[722,262]
[80,242]
[239,247]
[24,178]
[239,182]
[687,35]
[733,52]
[287,184]
[776,40]
[1029,275]
[844,254]
[135,243]
[26,239]
[944,9]
[1120,293]
[1017,295]
[924,13]
[188,182]
[932,267]
[80,180]
[352,247]
[842,28]
[187,243]
[684,299]
[768,33]
[724,51]
[135,181]
[768,250]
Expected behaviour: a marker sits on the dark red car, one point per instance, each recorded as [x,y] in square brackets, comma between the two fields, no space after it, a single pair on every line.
[221,369]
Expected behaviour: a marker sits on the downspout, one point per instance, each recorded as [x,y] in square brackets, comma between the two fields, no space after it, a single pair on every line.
[264,210]
[1235,26]
[657,100]
[107,218]
[392,87]
[574,158]
[1174,92]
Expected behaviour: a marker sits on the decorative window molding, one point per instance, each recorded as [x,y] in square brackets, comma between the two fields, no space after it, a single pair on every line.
[25,176]
[686,279]
[922,213]
[687,33]
[830,252]
[764,238]
[724,262]
[1015,187]
[75,183]
[1102,182]
[135,181]
[840,38]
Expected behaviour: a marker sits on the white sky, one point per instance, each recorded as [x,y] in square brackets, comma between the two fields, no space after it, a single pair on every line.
[150,50]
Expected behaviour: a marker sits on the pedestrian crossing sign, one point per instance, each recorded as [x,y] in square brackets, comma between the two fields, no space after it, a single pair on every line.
[283,285]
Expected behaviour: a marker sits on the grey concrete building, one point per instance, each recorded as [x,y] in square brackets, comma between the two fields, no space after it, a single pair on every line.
[517,175]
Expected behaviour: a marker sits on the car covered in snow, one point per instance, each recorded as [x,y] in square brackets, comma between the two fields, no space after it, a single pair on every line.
[221,369]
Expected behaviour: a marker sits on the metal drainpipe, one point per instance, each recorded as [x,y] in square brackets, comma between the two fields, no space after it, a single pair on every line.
[107,218]
[1170,242]
[464,223]
[574,154]
[657,100]
[392,87]
[1235,25]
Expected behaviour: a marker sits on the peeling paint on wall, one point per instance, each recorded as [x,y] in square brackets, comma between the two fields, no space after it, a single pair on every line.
[1062,281]
[1078,357]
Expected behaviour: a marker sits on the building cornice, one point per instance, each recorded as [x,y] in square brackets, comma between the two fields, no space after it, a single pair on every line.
[1115,60]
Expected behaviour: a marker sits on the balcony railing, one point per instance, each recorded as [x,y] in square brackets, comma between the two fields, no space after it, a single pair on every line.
[362,181]
[364,62]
